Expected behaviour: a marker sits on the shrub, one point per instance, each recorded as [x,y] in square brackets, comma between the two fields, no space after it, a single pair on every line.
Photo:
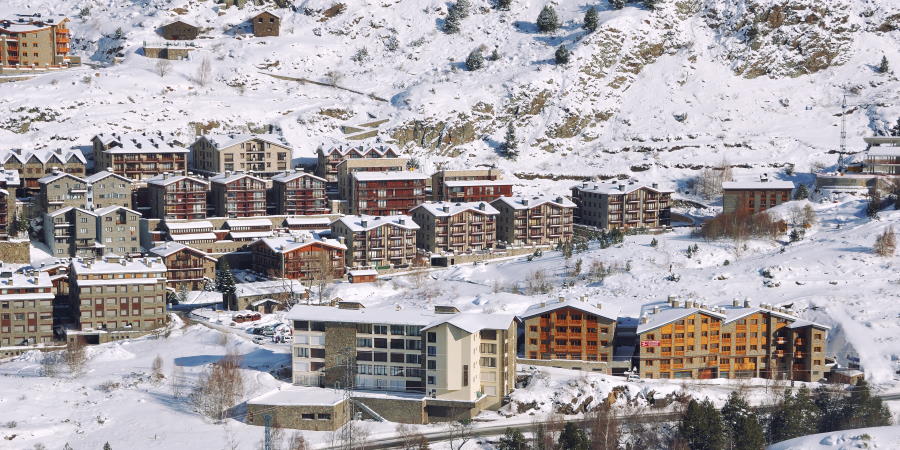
[885,243]
[742,225]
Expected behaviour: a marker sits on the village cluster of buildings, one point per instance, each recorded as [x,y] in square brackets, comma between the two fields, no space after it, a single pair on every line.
[422,366]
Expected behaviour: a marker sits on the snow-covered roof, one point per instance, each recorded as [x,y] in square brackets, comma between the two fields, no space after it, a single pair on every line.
[757,185]
[139,143]
[292,395]
[466,183]
[171,247]
[323,221]
[446,209]
[58,174]
[268,287]
[117,264]
[363,150]
[363,272]
[9,177]
[250,234]
[543,308]
[43,155]
[225,178]
[883,151]
[108,209]
[282,244]
[379,315]
[366,223]
[104,174]
[236,223]
[521,202]
[618,188]
[389,175]
[70,208]
[194,237]
[192,225]
[167,179]
[32,280]
[291,176]
[474,322]
[666,314]
[220,141]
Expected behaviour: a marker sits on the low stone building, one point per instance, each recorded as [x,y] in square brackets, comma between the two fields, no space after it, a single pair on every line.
[266,24]
[179,30]
[754,196]
[300,408]
[186,267]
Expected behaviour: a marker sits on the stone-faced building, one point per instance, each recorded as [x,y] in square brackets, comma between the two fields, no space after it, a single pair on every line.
[9,181]
[185,266]
[179,31]
[238,195]
[79,232]
[754,196]
[108,189]
[61,190]
[569,334]
[262,154]
[116,297]
[26,309]
[33,165]
[540,220]
[456,228]
[177,197]
[299,193]
[139,156]
[386,193]
[377,242]
[34,41]
[621,205]
[117,230]
[298,258]
[329,158]
[266,24]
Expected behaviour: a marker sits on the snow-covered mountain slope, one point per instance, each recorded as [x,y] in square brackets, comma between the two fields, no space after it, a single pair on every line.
[650,93]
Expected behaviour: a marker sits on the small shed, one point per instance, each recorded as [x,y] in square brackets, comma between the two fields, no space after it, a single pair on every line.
[846,376]
[362,276]
[266,305]
[266,24]
[179,31]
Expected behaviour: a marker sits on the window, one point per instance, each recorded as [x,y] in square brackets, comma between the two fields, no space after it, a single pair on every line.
[488,362]
[432,350]
[431,379]
[465,374]
[324,416]
[398,330]
[302,352]
[432,337]
[488,348]
[363,342]
[432,364]
[380,329]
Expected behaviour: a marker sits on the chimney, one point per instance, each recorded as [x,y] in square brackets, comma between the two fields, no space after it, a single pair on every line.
[599,305]
[363,223]
[525,202]
[622,187]
[543,304]
[764,177]
[644,319]
[481,206]
[446,209]
[655,185]
[676,303]
[561,299]
[736,303]
[401,221]
[656,310]
[747,302]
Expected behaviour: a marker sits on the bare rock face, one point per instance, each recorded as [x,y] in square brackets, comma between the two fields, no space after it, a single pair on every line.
[782,38]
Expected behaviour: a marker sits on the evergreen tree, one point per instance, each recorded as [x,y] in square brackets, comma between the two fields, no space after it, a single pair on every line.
[562,54]
[463,7]
[701,426]
[802,192]
[742,424]
[573,438]
[510,146]
[224,278]
[650,4]
[796,416]
[513,440]
[884,67]
[504,4]
[654,242]
[547,21]
[831,405]
[617,4]
[106,446]
[451,23]
[475,60]
[896,130]
[863,410]
[590,20]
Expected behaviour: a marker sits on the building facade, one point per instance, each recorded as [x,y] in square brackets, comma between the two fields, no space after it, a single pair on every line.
[60,190]
[386,193]
[298,258]
[882,155]
[754,196]
[349,166]
[186,267]
[540,220]
[79,232]
[33,165]
[177,197]
[116,297]
[108,189]
[620,205]
[299,193]
[139,156]
[179,31]
[330,158]
[470,185]
[9,182]
[456,228]
[266,24]
[33,41]
[26,308]
[238,195]
[567,331]
[261,154]
[377,242]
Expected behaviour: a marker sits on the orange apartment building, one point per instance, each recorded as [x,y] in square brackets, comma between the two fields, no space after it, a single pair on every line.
[177,197]
[456,228]
[330,158]
[298,258]
[139,156]
[34,42]
[185,266]
[386,193]
[621,205]
[299,193]
[238,194]
[755,196]
[569,334]
[377,242]
[539,220]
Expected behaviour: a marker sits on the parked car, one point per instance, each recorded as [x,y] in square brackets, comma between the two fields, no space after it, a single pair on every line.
[259,339]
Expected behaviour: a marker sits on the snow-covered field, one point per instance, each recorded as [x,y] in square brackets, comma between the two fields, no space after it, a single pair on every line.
[877,437]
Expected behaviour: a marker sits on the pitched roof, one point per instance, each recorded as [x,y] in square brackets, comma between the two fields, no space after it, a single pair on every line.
[774,184]
[284,244]
[446,209]
[139,143]
[10,177]
[220,141]
[268,287]
[56,175]
[224,178]
[390,175]
[169,248]
[475,322]
[342,150]
[366,223]
[43,155]
[618,188]
[105,174]
[167,179]
[108,209]
[522,202]
[666,314]
[291,176]
[543,308]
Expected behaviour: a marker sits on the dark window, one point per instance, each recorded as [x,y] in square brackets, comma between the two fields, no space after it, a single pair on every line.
[363,356]
[380,342]
[413,359]
[465,375]
[380,356]
[398,344]
[317,352]
[324,416]
[432,364]
[317,326]
[308,416]
[432,337]
[301,325]
[316,366]
[397,358]
[489,334]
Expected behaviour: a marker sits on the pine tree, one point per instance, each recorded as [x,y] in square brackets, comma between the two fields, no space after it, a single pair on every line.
[510,146]
[796,416]
[617,4]
[650,4]
[590,20]
[475,60]
[573,438]
[896,130]
[504,4]
[463,7]
[562,54]
[224,279]
[884,67]
[106,446]
[701,426]
[547,21]
[863,410]
[802,192]
[831,405]
[513,440]
[742,423]
[451,23]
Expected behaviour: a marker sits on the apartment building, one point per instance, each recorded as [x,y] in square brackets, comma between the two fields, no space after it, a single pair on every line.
[569,334]
[79,232]
[689,339]
[298,257]
[456,228]
[471,185]
[34,41]
[262,154]
[9,182]
[377,242]
[108,189]
[177,197]
[33,165]
[539,220]
[116,297]
[26,309]
[755,196]
[462,362]
[329,158]
[139,156]
[248,230]
[238,194]
[622,205]
[186,267]
[348,167]
[61,190]
[882,156]
[299,193]
[386,193]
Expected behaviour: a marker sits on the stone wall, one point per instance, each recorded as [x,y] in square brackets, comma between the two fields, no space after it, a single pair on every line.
[399,410]
[340,350]
[14,252]
[291,416]
[587,366]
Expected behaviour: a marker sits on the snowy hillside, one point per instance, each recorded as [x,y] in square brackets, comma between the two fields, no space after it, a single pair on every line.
[650,93]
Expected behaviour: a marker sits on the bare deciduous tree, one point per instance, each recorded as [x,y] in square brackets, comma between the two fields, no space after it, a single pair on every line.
[220,387]
[204,72]
[458,433]
[352,436]
[412,439]
[333,77]
[603,427]
[177,380]
[163,67]
[298,442]
[157,368]
[321,274]
[75,356]
[885,243]
[49,364]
